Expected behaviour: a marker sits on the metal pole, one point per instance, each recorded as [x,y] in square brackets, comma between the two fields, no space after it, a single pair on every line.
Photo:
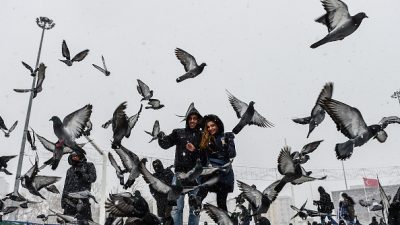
[344,175]
[46,24]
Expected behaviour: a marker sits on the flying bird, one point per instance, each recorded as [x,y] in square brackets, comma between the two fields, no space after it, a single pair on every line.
[317,112]
[5,130]
[144,90]
[247,114]
[77,58]
[305,177]
[118,170]
[303,213]
[303,156]
[70,219]
[190,65]
[82,195]
[38,88]
[3,163]
[338,21]
[33,71]
[154,104]
[127,205]
[155,131]
[6,210]
[131,162]
[104,70]
[376,206]
[122,124]
[289,168]
[71,128]
[220,216]
[191,106]
[350,122]
[2,125]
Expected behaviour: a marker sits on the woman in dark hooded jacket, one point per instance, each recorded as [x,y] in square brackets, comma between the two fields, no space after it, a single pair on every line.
[220,149]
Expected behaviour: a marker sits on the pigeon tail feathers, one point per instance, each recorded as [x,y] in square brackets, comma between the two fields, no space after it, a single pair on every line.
[344,150]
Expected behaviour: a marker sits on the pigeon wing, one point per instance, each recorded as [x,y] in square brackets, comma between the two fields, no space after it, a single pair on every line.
[104,63]
[187,60]
[2,124]
[119,206]
[155,183]
[348,119]
[13,126]
[75,123]
[65,50]
[385,121]
[325,93]
[9,209]
[119,116]
[336,13]
[304,179]
[142,88]
[239,106]
[310,147]
[41,76]
[253,195]
[133,120]
[156,128]
[50,146]
[7,158]
[27,66]
[99,68]
[305,120]
[219,216]
[260,121]
[43,181]
[286,164]
[80,56]
[271,192]
[22,90]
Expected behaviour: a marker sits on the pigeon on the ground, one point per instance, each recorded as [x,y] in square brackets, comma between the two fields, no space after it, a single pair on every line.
[350,122]
[302,156]
[3,163]
[317,112]
[338,21]
[104,70]
[303,213]
[191,106]
[117,168]
[190,64]
[38,88]
[127,205]
[247,114]
[131,162]
[144,90]
[7,132]
[154,104]
[57,150]
[260,201]
[77,58]
[122,124]
[71,127]
[220,216]
[154,133]
[31,139]
[82,195]
[33,71]
[34,183]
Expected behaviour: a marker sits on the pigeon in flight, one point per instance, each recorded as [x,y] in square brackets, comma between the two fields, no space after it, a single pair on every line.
[71,127]
[247,114]
[303,213]
[350,122]
[31,139]
[5,130]
[38,88]
[376,206]
[104,70]
[220,216]
[118,170]
[33,71]
[131,162]
[191,106]
[260,201]
[57,150]
[82,195]
[154,104]
[302,156]
[121,124]
[289,168]
[70,219]
[3,163]
[6,210]
[155,131]
[305,177]
[127,205]
[338,20]
[77,58]
[317,113]
[144,90]
[190,64]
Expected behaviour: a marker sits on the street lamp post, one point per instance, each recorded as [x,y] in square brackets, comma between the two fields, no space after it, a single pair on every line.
[46,24]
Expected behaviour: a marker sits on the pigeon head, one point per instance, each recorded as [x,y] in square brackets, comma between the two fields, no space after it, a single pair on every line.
[251,103]
[203,65]
[55,119]
[359,17]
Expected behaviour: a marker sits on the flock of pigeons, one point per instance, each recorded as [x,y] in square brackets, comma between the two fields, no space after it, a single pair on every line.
[348,119]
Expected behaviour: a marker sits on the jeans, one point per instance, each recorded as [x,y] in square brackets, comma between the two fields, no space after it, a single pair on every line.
[177,211]
[329,218]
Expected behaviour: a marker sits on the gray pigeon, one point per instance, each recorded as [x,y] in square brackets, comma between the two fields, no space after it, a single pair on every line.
[57,150]
[220,216]
[72,127]
[289,168]
[154,104]
[104,70]
[77,58]
[305,177]
[38,88]
[117,168]
[317,113]
[3,163]
[192,174]
[33,71]
[2,125]
[247,114]
[376,206]
[7,132]
[144,90]
[191,106]
[350,122]
[70,219]
[302,156]
[260,201]
[6,210]
[155,131]
[303,213]
[127,205]
[131,162]
[122,124]
[190,64]
[82,195]
[338,20]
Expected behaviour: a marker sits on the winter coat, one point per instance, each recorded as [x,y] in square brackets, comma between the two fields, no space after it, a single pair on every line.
[325,204]
[347,211]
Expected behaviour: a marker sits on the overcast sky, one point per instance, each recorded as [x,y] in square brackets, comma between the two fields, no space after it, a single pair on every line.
[258,50]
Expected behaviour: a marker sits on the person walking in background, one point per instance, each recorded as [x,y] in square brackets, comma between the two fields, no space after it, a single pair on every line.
[346,209]
[325,205]
[187,153]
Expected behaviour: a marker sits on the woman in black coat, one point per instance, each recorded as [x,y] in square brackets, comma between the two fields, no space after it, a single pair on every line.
[220,149]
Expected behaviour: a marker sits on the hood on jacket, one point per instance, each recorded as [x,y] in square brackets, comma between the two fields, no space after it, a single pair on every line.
[193,111]
[82,157]
[216,120]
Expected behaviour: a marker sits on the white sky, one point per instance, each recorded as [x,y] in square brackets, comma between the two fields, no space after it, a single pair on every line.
[258,50]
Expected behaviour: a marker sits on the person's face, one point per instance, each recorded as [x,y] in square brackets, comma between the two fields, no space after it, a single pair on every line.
[212,128]
[158,167]
[193,121]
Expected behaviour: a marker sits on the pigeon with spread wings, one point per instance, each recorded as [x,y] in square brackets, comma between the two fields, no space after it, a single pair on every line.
[4,128]
[104,70]
[190,65]
[38,88]
[144,90]
[77,58]
[247,114]
[3,163]
[156,130]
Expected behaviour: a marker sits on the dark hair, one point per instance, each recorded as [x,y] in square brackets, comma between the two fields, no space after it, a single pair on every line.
[216,120]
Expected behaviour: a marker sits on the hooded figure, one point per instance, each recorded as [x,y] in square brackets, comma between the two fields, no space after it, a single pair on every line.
[220,149]
[80,177]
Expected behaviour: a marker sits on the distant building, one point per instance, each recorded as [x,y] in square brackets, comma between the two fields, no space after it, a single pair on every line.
[358,193]
[4,187]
